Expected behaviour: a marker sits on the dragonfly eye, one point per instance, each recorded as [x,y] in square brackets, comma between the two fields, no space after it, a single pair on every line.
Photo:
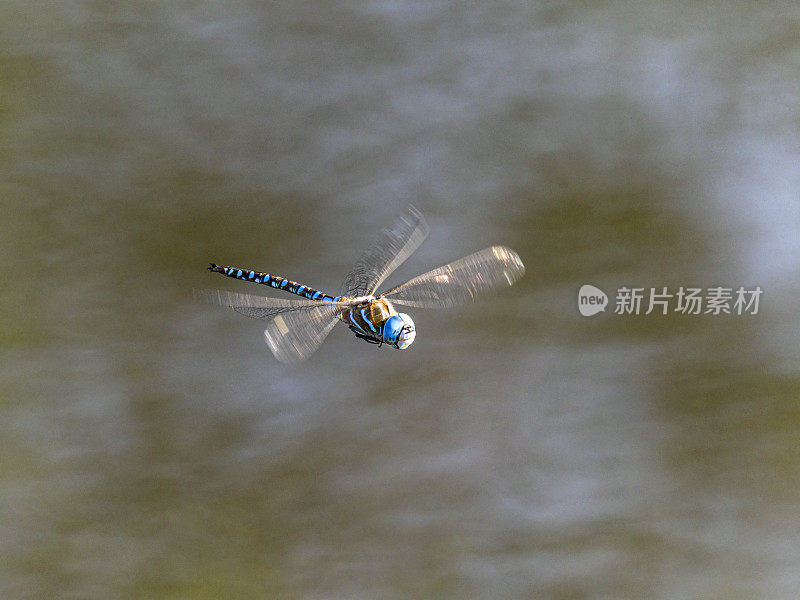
[407,333]
[398,331]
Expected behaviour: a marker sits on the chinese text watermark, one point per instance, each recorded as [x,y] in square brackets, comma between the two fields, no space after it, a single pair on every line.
[683,300]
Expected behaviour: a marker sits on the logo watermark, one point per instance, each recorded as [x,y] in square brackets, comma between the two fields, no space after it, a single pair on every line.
[591,300]
[683,300]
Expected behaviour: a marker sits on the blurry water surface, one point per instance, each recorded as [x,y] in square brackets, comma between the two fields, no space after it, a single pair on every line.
[153,448]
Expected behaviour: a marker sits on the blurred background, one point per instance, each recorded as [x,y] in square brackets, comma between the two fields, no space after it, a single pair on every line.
[153,448]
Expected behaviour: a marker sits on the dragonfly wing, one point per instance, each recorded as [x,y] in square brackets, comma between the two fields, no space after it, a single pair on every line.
[387,252]
[460,281]
[294,336]
[256,307]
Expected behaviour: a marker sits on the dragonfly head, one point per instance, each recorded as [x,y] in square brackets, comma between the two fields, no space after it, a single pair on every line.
[399,331]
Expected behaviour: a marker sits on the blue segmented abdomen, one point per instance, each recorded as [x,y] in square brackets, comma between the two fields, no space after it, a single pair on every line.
[279,283]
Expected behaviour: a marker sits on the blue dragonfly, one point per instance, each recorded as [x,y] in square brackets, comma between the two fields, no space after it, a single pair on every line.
[296,328]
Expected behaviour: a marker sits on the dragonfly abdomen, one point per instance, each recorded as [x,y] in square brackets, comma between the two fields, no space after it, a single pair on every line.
[279,283]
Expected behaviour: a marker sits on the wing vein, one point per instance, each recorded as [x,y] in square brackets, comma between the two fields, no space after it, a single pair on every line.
[387,252]
[460,281]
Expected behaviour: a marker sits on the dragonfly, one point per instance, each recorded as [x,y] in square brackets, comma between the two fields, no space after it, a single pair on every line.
[297,327]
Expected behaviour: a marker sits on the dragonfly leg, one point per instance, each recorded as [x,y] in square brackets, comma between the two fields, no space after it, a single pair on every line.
[366,338]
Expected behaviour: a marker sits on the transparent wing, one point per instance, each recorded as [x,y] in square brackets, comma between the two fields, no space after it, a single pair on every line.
[293,336]
[299,326]
[387,252]
[460,281]
[256,307]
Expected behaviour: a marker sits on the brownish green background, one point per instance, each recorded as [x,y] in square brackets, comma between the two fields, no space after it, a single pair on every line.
[152,448]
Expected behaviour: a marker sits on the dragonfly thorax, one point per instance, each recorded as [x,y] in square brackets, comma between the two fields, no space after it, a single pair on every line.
[377,321]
